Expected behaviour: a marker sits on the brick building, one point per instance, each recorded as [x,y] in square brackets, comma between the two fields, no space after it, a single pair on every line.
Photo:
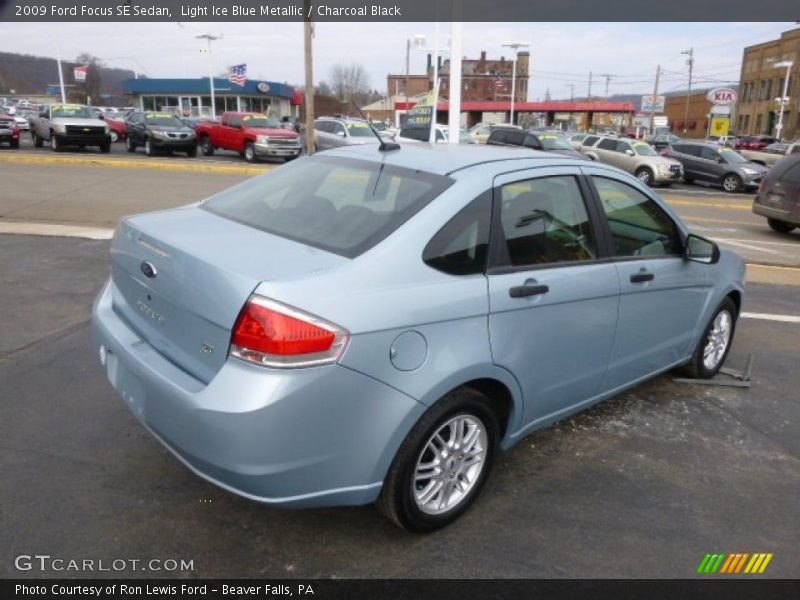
[696,125]
[482,79]
[762,82]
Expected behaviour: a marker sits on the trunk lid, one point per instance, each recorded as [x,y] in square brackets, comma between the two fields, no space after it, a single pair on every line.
[183,275]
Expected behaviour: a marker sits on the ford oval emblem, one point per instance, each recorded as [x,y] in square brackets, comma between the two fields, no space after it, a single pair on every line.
[148,269]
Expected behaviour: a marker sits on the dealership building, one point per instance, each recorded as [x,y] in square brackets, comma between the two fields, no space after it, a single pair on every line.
[192,97]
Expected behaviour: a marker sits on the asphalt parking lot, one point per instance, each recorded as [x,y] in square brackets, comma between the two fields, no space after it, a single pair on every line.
[643,485]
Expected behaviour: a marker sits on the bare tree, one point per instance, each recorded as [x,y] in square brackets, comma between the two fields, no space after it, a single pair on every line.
[349,82]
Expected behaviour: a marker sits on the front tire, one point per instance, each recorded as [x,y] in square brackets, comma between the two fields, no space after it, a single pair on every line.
[714,344]
[192,152]
[55,143]
[645,175]
[129,145]
[732,183]
[105,148]
[37,141]
[250,152]
[780,226]
[114,136]
[148,147]
[443,463]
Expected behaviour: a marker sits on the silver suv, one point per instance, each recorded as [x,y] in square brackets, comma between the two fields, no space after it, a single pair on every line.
[332,132]
[635,157]
[708,162]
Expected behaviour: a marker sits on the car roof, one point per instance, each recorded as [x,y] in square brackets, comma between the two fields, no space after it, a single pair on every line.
[444,159]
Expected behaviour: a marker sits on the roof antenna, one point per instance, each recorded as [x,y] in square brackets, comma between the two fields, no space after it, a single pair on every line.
[384,145]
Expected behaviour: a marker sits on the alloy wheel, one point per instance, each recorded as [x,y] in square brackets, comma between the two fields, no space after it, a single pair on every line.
[718,339]
[450,464]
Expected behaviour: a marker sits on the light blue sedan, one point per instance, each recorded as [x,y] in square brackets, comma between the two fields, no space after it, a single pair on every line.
[371,325]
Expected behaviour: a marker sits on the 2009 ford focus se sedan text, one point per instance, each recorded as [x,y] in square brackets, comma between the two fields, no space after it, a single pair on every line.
[367,325]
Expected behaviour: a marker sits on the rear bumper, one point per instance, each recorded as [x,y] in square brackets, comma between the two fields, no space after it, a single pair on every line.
[267,150]
[787,216]
[297,437]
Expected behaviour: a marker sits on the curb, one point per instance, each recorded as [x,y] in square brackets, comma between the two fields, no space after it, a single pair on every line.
[134,164]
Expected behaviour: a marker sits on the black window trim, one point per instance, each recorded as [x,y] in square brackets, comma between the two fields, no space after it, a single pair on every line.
[482,197]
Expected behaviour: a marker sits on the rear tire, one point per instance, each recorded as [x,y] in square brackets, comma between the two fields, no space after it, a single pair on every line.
[688,179]
[780,226]
[129,145]
[114,136]
[206,146]
[714,344]
[55,144]
[454,442]
[37,141]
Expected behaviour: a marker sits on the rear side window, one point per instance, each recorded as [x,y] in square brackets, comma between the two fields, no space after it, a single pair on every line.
[608,144]
[341,205]
[515,138]
[545,221]
[589,140]
[462,245]
[689,149]
[639,226]
[498,136]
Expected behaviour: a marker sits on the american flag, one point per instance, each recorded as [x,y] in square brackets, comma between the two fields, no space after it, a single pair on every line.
[238,74]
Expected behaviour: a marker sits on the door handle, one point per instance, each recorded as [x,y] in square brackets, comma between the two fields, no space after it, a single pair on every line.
[642,276]
[528,289]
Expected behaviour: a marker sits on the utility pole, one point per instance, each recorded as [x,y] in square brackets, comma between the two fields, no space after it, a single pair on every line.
[589,93]
[308,34]
[608,78]
[653,107]
[690,62]
[572,92]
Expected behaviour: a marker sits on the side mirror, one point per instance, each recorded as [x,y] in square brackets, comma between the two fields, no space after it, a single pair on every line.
[699,249]
[340,133]
[629,152]
[721,160]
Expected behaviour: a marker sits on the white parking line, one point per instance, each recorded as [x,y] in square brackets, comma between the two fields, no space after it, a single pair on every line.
[771,317]
[722,240]
[52,229]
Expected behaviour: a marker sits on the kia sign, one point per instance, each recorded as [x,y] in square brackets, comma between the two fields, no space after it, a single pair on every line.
[719,96]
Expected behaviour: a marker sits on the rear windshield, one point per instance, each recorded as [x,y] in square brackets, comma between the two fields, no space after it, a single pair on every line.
[358,129]
[341,205]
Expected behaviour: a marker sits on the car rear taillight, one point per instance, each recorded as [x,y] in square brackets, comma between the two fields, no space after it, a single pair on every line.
[763,185]
[272,334]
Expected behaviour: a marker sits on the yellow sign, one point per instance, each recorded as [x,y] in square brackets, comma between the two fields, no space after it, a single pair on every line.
[720,125]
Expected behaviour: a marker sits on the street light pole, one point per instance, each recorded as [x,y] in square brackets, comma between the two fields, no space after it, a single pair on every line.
[788,64]
[515,46]
[690,62]
[208,38]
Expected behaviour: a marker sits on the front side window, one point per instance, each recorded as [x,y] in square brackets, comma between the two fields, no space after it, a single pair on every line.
[545,221]
[639,227]
[709,153]
[644,149]
[344,206]
[589,140]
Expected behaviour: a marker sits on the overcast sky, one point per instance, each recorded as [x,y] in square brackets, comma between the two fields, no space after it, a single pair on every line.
[561,53]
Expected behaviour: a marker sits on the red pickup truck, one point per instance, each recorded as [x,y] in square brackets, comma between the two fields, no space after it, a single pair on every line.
[252,135]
